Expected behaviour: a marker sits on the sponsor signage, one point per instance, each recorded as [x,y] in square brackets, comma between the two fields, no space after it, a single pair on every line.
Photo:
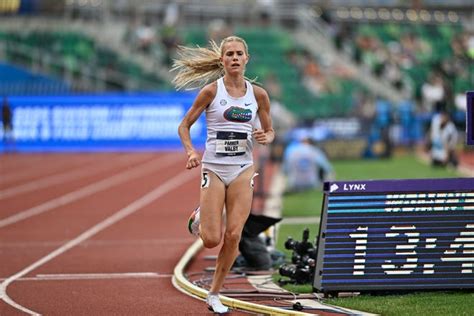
[100,122]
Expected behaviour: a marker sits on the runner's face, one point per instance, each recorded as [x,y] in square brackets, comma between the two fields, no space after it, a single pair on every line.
[234,57]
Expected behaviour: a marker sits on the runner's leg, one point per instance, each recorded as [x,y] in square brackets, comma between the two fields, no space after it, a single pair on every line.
[238,204]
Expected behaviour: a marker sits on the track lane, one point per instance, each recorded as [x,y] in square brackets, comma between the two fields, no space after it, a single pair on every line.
[141,238]
[71,174]
[150,240]
[44,166]
[156,235]
[108,297]
[89,201]
[51,197]
[148,184]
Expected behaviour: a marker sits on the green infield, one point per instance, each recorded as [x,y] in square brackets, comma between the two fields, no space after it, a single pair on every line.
[307,204]
[401,167]
[422,303]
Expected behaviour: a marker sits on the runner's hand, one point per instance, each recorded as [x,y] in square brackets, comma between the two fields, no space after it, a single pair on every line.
[260,136]
[193,160]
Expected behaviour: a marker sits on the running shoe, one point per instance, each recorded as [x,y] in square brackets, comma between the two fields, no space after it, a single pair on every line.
[193,222]
[214,304]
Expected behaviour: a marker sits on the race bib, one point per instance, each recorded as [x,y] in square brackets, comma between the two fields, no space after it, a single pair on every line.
[231,143]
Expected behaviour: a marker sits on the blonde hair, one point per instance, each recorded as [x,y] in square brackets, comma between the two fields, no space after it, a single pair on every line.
[197,66]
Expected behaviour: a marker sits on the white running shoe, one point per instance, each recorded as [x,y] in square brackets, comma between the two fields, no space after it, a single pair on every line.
[193,222]
[214,304]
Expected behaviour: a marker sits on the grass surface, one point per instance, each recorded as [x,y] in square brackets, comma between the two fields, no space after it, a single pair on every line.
[309,204]
[401,167]
[295,231]
[419,304]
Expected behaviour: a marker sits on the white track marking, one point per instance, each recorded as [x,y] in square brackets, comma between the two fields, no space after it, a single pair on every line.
[169,185]
[95,276]
[91,189]
[76,173]
[96,243]
[22,172]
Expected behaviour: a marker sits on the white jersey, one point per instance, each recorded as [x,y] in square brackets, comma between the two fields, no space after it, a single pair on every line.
[443,139]
[230,122]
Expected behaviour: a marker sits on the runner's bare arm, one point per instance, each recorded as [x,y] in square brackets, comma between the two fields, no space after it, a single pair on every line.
[203,99]
[266,134]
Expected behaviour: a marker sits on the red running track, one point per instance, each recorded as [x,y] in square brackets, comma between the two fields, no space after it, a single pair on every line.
[94,234]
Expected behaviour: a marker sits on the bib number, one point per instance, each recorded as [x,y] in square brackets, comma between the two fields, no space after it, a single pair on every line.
[205,180]
[231,143]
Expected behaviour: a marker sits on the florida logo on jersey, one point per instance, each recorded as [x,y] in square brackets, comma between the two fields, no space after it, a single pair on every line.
[236,114]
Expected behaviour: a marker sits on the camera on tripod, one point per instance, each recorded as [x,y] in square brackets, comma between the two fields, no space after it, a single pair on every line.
[303,259]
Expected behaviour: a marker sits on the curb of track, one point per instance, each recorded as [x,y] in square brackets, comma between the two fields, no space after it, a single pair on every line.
[184,285]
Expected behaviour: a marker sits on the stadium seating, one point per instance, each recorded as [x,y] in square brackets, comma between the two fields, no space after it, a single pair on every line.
[269,48]
[19,81]
[72,56]
[435,41]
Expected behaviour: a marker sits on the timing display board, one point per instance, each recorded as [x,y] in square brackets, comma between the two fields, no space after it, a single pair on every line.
[470,118]
[383,235]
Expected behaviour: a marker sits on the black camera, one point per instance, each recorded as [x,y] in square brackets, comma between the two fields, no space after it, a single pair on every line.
[297,274]
[303,259]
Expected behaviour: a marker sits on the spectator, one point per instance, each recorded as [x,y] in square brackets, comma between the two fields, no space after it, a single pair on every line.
[444,137]
[218,29]
[313,77]
[265,9]
[273,86]
[169,36]
[7,121]
[432,91]
[170,41]
[146,37]
[305,166]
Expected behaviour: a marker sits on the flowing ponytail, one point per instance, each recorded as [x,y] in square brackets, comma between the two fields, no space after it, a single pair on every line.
[197,66]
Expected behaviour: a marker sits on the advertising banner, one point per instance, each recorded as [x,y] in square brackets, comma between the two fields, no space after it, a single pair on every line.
[112,122]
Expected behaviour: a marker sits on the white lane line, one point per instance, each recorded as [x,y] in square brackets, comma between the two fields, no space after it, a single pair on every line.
[169,185]
[106,183]
[95,276]
[22,172]
[76,173]
[96,243]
